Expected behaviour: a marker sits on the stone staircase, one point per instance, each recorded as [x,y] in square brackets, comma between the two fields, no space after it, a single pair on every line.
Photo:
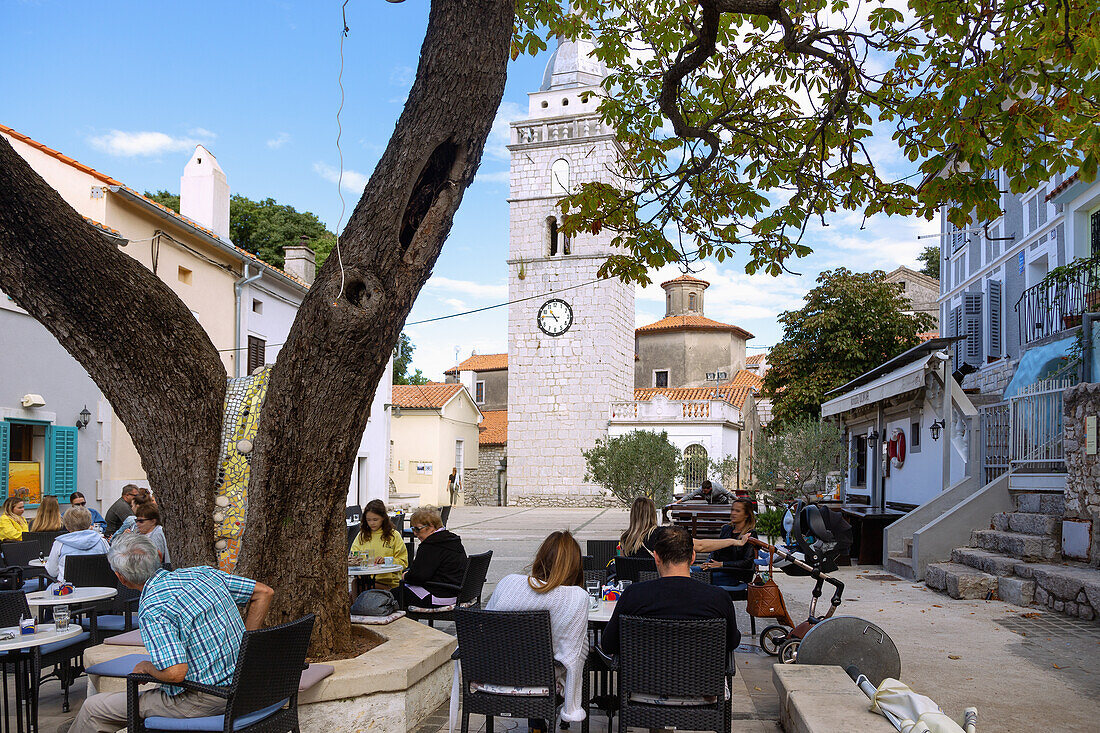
[1019,560]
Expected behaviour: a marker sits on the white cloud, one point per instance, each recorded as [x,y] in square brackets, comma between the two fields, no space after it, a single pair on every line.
[130,144]
[438,284]
[499,137]
[402,76]
[494,177]
[279,140]
[202,132]
[353,181]
[455,303]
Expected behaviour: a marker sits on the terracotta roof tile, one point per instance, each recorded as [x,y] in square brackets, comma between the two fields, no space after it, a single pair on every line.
[1062,186]
[685,278]
[928,335]
[692,323]
[102,227]
[493,428]
[112,182]
[735,395]
[756,359]
[424,396]
[746,378]
[481,363]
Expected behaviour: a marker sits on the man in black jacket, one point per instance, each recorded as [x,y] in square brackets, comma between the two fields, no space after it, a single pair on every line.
[439,566]
[117,512]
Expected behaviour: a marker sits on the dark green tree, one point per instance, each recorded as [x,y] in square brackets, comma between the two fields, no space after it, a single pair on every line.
[851,322]
[930,259]
[640,463]
[402,362]
[265,227]
[792,462]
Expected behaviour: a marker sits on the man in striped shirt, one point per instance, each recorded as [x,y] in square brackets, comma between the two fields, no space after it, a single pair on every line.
[191,626]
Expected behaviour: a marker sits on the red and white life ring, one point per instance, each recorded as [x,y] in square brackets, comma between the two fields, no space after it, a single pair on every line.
[895,448]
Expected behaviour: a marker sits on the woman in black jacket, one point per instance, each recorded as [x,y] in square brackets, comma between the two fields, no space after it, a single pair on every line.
[435,575]
[733,562]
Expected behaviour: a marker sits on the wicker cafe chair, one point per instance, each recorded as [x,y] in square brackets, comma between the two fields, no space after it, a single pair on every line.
[469,595]
[674,674]
[112,616]
[263,696]
[60,654]
[627,568]
[595,576]
[44,540]
[19,554]
[353,532]
[506,649]
[602,552]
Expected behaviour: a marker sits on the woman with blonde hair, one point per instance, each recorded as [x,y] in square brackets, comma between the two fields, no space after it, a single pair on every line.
[435,575]
[12,523]
[555,584]
[48,518]
[643,520]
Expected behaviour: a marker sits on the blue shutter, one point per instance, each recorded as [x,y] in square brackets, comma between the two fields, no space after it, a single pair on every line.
[62,447]
[993,294]
[972,305]
[5,451]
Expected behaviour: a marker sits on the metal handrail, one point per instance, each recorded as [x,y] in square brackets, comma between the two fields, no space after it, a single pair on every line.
[1045,309]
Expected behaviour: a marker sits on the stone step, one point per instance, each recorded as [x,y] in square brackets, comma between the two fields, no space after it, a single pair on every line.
[960,581]
[1018,481]
[900,565]
[1046,525]
[1018,591]
[988,562]
[1021,546]
[908,547]
[1042,503]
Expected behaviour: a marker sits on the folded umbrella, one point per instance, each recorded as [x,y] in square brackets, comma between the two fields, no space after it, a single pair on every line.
[909,711]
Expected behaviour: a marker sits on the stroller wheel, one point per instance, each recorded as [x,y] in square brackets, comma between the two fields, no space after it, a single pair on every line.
[772,637]
[788,652]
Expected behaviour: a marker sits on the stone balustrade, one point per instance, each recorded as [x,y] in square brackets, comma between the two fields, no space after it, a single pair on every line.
[535,131]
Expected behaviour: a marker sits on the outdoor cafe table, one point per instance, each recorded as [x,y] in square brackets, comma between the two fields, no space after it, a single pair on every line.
[371,570]
[600,683]
[38,562]
[26,691]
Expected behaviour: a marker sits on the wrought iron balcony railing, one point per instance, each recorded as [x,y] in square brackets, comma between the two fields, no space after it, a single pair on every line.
[1050,307]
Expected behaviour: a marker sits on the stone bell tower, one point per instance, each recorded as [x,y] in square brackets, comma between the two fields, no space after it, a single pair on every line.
[571,344]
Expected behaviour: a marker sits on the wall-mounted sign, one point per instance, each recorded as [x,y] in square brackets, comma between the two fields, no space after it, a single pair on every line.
[1020,262]
[717,376]
[1090,435]
[423,468]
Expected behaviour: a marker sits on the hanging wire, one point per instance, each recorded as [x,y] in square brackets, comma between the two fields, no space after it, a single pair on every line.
[339,150]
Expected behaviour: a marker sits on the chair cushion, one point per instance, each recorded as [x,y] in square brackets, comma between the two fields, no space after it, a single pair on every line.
[108,622]
[59,645]
[127,638]
[119,666]
[671,701]
[376,620]
[211,722]
[313,674]
[441,609]
[512,690]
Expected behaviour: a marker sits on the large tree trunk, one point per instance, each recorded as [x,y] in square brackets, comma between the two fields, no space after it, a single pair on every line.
[133,335]
[322,385]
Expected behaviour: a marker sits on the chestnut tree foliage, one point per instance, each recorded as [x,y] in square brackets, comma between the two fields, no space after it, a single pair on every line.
[745,120]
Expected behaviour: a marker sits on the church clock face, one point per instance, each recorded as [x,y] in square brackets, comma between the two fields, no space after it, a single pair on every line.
[555,317]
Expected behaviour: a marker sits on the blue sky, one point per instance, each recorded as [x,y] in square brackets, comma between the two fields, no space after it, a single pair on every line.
[130,87]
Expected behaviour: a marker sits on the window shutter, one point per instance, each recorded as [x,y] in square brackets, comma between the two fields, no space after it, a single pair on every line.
[956,330]
[62,447]
[5,451]
[853,459]
[993,296]
[256,353]
[1095,226]
[973,322]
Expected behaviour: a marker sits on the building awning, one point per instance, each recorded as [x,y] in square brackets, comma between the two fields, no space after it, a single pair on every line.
[899,381]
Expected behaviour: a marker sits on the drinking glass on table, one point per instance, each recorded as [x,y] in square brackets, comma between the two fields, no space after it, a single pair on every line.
[593,589]
[61,617]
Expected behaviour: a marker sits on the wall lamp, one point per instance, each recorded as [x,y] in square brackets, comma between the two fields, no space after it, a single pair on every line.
[872,436]
[936,427]
[84,418]
[395,410]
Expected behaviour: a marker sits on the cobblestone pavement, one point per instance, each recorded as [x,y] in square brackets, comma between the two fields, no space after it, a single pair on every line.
[1025,670]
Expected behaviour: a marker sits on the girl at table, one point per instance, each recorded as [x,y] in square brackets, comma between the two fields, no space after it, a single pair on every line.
[555,584]
[12,523]
[378,539]
[643,520]
[731,559]
[48,518]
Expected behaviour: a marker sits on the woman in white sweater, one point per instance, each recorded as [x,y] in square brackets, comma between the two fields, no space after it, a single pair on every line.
[555,584]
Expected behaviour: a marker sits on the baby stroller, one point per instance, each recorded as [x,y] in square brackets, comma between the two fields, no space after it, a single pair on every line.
[821,536]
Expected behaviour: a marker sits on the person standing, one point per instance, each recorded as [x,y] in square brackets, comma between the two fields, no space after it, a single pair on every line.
[192,628]
[12,523]
[121,509]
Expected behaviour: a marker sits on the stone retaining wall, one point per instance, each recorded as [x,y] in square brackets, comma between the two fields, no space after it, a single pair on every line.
[480,485]
[1083,471]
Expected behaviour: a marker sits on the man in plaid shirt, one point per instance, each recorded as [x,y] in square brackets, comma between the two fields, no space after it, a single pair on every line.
[191,626]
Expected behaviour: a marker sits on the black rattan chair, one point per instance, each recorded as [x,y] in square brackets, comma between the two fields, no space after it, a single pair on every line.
[44,540]
[19,554]
[66,657]
[601,551]
[263,696]
[703,576]
[627,568]
[469,595]
[353,532]
[508,648]
[112,616]
[353,513]
[661,659]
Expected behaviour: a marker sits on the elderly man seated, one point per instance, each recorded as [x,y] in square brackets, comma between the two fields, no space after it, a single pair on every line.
[192,628]
[674,594]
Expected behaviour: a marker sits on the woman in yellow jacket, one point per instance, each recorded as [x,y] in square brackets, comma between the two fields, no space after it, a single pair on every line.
[378,538]
[12,524]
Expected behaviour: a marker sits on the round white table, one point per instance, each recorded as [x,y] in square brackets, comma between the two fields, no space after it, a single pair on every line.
[26,691]
[358,570]
[38,562]
[602,614]
[42,598]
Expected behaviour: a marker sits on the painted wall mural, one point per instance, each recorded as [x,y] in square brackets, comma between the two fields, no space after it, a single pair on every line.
[244,397]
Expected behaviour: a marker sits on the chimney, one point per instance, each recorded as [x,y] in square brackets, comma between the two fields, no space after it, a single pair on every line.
[204,193]
[300,260]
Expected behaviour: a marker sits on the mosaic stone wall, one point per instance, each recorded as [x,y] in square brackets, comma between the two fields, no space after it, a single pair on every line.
[244,397]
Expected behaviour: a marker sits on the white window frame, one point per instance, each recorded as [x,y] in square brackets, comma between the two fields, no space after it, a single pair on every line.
[479,385]
[654,379]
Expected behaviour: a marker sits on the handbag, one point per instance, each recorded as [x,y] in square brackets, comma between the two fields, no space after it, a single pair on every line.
[11,578]
[375,602]
[765,600]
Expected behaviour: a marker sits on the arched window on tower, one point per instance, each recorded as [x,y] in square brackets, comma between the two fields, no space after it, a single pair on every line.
[695,466]
[552,235]
[559,177]
[691,301]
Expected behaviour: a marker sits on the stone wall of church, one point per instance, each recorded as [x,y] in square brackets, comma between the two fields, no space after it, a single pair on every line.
[480,486]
